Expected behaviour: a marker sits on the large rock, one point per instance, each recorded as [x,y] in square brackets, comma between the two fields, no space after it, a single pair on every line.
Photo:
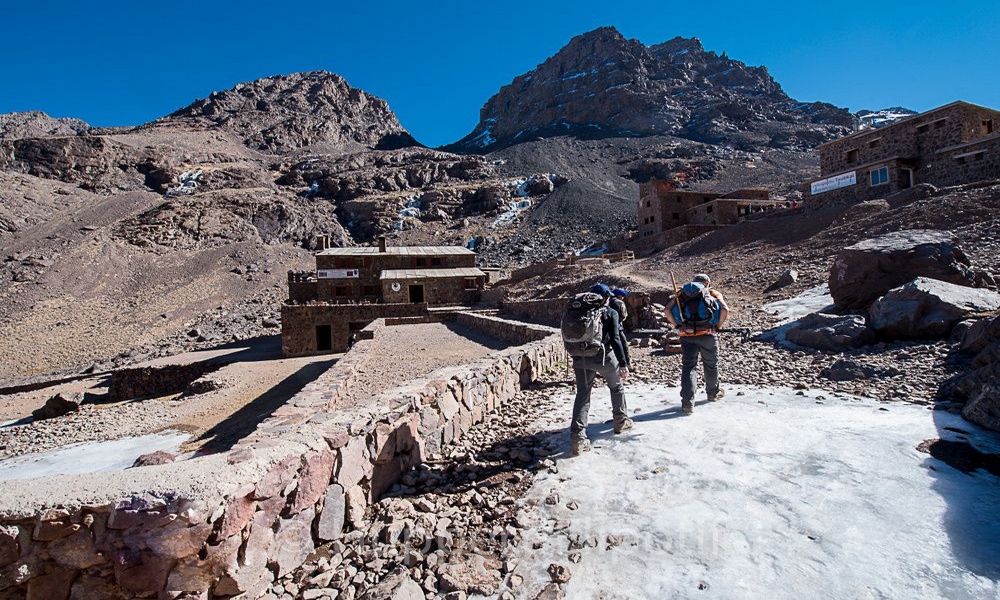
[927,308]
[58,405]
[396,586]
[830,332]
[863,272]
[979,387]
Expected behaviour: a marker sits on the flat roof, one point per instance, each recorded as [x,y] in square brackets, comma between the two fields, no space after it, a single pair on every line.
[864,132]
[396,250]
[431,273]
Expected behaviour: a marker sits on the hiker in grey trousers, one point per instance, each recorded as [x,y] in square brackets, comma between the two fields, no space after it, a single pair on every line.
[703,343]
[612,365]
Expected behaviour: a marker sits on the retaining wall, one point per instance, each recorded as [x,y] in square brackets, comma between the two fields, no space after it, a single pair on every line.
[229,524]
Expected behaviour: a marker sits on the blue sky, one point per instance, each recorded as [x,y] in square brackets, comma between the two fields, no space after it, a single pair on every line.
[437,63]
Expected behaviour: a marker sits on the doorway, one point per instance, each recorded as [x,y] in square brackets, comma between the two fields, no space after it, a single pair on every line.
[416,293]
[324,338]
[905,178]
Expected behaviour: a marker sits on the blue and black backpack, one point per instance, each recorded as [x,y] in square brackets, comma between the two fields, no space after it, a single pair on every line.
[696,307]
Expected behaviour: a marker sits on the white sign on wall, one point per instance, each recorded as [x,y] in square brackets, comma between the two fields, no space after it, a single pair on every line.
[832,183]
[336,273]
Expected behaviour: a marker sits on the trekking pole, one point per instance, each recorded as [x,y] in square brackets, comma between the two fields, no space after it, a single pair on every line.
[743,332]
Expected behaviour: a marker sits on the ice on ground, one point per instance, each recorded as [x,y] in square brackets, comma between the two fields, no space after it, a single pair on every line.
[764,494]
[815,299]
[89,457]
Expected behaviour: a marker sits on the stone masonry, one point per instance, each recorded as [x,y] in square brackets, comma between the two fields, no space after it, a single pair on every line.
[230,524]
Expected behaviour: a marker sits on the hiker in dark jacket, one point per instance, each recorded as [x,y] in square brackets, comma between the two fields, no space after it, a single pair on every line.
[617,302]
[611,364]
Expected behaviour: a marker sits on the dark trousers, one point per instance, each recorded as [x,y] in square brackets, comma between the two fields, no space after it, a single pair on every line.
[586,370]
[693,346]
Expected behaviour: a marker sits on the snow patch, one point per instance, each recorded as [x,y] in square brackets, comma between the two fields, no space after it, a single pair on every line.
[817,299]
[89,457]
[768,493]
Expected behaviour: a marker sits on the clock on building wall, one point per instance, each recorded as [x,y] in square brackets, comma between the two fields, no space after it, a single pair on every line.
[395,286]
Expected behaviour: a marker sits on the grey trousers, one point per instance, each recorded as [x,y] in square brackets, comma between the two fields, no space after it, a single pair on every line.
[586,370]
[706,346]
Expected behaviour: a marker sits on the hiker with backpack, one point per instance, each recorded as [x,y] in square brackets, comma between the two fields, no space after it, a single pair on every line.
[591,335]
[617,302]
[698,312]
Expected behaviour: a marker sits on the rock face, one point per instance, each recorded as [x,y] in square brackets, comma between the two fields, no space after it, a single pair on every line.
[36,124]
[830,332]
[979,388]
[927,308]
[316,109]
[602,85]
[863,272]
[58,405]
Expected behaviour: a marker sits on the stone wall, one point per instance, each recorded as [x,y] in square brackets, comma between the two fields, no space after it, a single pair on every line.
[299,323]
[147,382]
[670,237]
[229,524]
[548,310]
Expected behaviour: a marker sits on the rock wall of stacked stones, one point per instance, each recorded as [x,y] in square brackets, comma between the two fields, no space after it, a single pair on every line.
[145,382]
[242,519]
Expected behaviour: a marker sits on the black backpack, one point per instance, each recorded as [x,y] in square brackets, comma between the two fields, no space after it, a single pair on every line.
[582,325]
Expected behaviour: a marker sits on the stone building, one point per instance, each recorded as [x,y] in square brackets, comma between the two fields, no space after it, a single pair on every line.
[949,145]
[351,287]
[662,207]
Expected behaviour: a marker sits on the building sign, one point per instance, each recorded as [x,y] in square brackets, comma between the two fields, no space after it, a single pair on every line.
[833,183]
[336,273]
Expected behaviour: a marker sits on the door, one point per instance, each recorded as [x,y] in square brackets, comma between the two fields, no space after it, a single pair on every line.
[416,293]
[324,338]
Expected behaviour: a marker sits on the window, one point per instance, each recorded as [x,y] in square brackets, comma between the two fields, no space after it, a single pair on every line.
[648,203]
[435,262]
[988,126]
[923,128]
[978,156]
[852,156]
[677,216]
[708,208]
[470,283]
[342,291]
[879,176]
[875,143]
[369,290]
[939,124]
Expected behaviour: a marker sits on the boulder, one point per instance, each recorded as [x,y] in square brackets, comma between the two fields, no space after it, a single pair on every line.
[830,332]
[983,408]
[473,574]
[863,272]
[58,405]
[850,370]
[787,278]
[928,308]
[396,586]
[159,457]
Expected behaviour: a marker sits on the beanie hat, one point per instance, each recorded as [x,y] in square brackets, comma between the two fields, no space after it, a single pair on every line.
[620,292]
[601,290]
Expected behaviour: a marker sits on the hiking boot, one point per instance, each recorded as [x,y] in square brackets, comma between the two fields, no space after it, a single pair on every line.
[719,394]
[687,408]
[578,446]
[623,425]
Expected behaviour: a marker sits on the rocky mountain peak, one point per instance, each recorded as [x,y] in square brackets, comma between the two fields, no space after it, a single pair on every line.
[316,109]
[601,85]
[36,124]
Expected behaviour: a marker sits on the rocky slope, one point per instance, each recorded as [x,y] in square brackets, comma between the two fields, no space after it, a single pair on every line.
[317,110]
[602,85]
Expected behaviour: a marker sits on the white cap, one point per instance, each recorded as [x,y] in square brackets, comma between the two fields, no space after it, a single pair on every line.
[702,278]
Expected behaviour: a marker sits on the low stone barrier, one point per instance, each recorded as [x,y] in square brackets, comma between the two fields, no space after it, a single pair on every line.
[229,524]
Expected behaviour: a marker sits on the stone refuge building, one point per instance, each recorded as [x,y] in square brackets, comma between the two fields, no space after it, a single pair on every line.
[669,216]
[351,287]
[950,145]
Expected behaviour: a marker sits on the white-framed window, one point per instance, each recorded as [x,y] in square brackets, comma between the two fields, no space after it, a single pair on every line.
[879,176]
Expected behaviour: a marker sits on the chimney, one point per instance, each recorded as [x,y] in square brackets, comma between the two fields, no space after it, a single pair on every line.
[381,243]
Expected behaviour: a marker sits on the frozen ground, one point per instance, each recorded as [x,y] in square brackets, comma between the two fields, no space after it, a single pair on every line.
[89,457]
[812,300]
[765,494]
